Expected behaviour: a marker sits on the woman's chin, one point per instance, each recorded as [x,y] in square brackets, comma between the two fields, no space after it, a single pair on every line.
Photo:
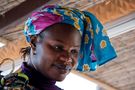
[61,77]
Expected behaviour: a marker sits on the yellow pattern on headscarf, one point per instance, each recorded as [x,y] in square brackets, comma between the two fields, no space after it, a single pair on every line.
[97,30]
[57,13]
[86,67]
[92,33]
[103,44]
[76,22]
[104,32]
[88,20]
[86,39]
[67,13]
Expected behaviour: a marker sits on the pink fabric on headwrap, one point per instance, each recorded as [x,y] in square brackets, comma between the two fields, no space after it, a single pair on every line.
[42,20]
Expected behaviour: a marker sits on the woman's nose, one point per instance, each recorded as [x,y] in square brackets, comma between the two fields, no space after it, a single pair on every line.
[66,57]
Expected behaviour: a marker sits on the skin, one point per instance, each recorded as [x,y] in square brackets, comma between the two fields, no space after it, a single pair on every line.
[58,49]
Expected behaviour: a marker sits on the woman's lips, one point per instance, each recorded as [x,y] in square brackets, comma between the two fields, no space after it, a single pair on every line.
[62,68]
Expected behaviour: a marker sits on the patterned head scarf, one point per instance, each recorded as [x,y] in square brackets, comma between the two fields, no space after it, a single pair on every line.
[96,48]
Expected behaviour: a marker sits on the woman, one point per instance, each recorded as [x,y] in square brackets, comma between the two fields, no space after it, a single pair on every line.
[61,39]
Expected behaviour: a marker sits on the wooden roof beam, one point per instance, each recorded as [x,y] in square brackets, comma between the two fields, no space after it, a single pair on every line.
[20,11]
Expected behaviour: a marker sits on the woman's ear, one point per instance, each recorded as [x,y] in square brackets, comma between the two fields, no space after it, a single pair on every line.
[33,43]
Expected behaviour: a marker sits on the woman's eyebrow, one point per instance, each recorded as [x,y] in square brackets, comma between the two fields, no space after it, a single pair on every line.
[58,41]
[62,42]
[55,40]
[77,46]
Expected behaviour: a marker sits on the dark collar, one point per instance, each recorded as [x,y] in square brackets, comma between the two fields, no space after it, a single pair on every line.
[37,80]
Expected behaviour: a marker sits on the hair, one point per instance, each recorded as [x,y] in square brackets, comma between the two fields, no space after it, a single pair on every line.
[26,50]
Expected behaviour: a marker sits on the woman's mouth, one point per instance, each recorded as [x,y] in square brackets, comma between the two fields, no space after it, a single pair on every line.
[63,68]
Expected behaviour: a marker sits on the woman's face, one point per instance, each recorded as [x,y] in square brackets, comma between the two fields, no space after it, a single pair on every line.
[58,50]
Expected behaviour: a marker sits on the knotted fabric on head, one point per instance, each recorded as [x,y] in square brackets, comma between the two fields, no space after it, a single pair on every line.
[96,48]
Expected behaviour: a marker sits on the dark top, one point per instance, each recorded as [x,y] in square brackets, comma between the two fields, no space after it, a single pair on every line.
[37,80]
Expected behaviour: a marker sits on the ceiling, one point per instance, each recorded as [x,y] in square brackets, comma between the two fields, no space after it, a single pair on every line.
[118,74]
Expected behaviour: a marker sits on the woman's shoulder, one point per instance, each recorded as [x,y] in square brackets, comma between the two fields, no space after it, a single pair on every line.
[15,81]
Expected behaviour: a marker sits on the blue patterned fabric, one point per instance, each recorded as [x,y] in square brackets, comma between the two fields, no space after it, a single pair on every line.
[96,48]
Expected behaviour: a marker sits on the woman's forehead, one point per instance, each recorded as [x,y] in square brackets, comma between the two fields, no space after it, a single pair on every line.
[63,33]
[61,26]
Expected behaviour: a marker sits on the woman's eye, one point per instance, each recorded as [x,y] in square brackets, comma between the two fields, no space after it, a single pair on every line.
[58,48]
[74,52]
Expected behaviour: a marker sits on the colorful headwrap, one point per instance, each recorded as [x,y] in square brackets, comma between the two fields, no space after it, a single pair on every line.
[96,48]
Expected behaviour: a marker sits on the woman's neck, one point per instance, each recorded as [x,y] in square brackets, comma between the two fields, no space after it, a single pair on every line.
[36,78]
